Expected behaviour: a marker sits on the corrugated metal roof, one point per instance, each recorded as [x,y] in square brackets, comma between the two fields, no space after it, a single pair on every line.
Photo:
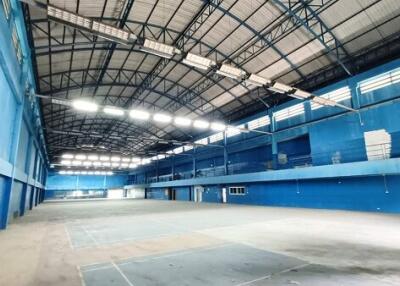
[229,29]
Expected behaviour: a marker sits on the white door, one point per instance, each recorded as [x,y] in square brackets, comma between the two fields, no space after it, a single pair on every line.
[198,193]
[224,195]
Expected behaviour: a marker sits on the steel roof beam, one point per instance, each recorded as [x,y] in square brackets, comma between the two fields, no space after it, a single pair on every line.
[320,31]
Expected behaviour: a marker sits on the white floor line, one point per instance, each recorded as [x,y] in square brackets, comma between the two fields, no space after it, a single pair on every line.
[195,250]
[90,236]
[122,274]
[68,237]
[80,275]
[273,274]
[98,268]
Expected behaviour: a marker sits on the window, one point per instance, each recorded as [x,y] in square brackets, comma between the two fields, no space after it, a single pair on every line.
[178,150]
[7,8]
[289,112]
[216,137]
[233,131]
[337,95]
[380,81]
[188,147]
[203,141]
[16,44]
[259,122]
[237,191]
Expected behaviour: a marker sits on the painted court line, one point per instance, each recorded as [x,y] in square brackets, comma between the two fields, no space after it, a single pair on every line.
[273,274]
[98,268]
[122,274]
[80,275]
[89,235]
[175,254]
[68,237]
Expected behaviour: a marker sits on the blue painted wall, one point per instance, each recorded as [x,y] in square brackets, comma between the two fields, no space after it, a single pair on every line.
[327,135]
[23,161]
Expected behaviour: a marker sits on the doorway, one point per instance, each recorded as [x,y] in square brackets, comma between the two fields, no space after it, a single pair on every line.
[198,194]
[171,194]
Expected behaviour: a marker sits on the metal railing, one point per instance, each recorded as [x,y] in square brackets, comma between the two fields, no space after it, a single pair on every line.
[341,155]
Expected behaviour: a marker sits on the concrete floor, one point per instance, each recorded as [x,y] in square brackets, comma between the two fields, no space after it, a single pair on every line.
[138,242]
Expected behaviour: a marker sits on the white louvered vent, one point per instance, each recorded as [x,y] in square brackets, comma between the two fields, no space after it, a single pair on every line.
[259,122]
[380,81]
[289,112]
[336,95]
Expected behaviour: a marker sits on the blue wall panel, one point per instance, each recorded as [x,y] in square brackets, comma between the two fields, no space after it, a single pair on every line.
[376,193]
[182,193]
[8,108]
[15,201]
[157,194]
[212,194]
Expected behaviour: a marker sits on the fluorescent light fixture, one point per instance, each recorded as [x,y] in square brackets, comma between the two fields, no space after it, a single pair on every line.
[66,162]
[68,17]
[106,164]
[198,61]
[109,173]
[132,166]
[80,157]
[281,88]
[113,111]
[301,94]
[146,161]
[161,156]
[97,164]
[110,32]
[178,150]
[126,160]
[136,159]
[139,114]
[104,158]
[115,164]
[84,172]
[85,105]
[62,172]
[115,159]
[159,49]
[90,172]
[257,80]
[76,163]
[97,173]
[87,163]
[180,121]
[93,157]
[154,158]
[230,71]
[159,117]
[77,172]
[201,124]
[217,126]
[67,156]
[124,165]
[70,172]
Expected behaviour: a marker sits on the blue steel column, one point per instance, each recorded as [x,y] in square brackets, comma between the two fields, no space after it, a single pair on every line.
[27,172]
[173,167]
[157,173]
[274,141]
[226,171]
[194,161]
[355,93]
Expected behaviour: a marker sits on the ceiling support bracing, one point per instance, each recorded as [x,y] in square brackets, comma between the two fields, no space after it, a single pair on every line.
[314,25]
[263,41]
